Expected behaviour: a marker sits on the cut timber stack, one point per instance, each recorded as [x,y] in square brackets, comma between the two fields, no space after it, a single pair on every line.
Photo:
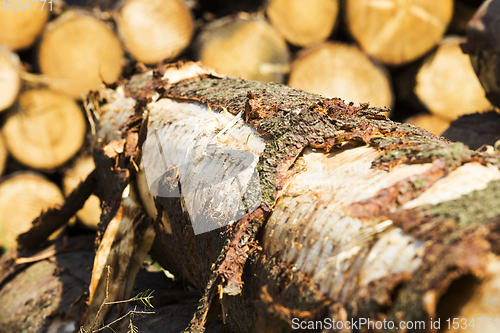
[79,52]
[21,22]
[446,83]
[23,196]
[155,30]
[344,71]
[398,31]
[10,77]
[303,22]
[360,216]
[44,129]
[245,47]
[90,214]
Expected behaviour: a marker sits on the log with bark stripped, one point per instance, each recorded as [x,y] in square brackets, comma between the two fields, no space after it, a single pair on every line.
[334,211]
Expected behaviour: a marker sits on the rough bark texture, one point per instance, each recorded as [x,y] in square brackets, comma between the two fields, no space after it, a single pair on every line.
[358,216]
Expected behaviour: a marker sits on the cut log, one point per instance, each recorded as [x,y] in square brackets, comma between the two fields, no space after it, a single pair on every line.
[155,30]
[343,218]
[44,129]
[47,295]
[344,71]
[483,47]
[429,122]
[23,196]
[447,85]
[21,26]
[79,52]
[10,77]
[303,22]
[398,32]
[245,47]
[90,214]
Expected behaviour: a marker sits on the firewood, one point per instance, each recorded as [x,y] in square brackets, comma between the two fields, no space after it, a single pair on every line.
[344,71]
[483,47]
[39,289]
[301,22]
[44,129]
[10,77]
[446,83]
[429,122]
[344,207]
[79,52]
[398,32]
[90,214]
[23,196]
[245,47]
[155,30]
[20,25]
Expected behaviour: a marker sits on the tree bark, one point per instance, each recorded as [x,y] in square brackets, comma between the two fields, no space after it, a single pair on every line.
[343,218]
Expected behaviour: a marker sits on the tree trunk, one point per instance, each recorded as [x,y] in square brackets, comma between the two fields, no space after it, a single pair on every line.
[339,211]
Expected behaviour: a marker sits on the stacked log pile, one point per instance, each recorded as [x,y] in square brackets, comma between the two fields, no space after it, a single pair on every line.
[83,87]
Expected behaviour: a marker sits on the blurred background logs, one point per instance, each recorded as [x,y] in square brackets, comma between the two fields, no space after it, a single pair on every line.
[406,55]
